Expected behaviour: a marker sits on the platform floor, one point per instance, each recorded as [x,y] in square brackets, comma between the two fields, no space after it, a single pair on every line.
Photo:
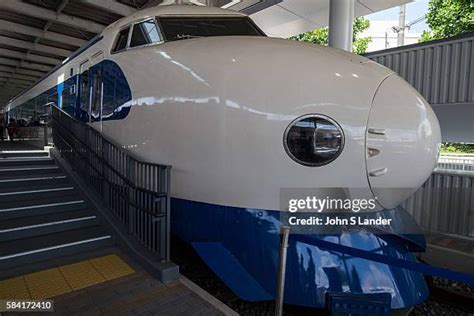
[449,251]
[105,282]
[20,145]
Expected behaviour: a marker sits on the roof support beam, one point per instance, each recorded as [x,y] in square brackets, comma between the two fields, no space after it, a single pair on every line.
[31,57]
[31,31]
[15,80]
[11,86]
[45,14]
[32,73]
[24,64]
[112,6]
[15,77]
[6,68]
[10,89]
[34,46]
[8,97]
[18,76]
[23,79]
[14,90]
[11,92]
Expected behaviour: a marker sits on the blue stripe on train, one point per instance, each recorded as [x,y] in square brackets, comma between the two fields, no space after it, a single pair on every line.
[116,94]
[241,246]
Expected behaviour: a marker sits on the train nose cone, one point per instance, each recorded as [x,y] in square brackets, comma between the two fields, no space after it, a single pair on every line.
[402,142]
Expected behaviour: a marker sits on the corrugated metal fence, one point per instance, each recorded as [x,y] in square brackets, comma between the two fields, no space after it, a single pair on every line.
[445,202]
[443,72]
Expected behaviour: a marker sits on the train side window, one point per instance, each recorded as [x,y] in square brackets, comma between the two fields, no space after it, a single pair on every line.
[116,93]
[97,93]
[121,41]
[84,98]
[145,33]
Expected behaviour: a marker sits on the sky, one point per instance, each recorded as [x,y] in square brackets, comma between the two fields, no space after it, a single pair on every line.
[413,11]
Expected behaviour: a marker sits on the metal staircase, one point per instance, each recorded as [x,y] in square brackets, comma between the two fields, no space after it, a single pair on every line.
[42,214]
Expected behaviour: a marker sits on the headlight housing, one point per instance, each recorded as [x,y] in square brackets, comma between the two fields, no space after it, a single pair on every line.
[313,140]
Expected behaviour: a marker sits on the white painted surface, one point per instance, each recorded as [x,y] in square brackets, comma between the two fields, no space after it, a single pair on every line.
[216,110]
[409,149]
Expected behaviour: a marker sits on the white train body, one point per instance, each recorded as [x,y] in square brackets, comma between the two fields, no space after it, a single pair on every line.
[216,109]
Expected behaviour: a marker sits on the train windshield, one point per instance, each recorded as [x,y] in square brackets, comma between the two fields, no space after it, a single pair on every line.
[178,28]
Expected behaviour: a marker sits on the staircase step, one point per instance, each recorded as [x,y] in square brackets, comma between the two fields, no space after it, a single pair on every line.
[6,187]
[32,181]
[39,248]
[23,154]
[41,225]
[28,194]
[37,161]
[15,172]
[73,203]
[26,200]
[42,214]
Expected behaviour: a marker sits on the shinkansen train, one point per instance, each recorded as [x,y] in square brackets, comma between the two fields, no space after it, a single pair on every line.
[241,116]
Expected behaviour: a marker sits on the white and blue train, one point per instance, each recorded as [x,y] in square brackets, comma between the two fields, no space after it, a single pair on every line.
[240,116]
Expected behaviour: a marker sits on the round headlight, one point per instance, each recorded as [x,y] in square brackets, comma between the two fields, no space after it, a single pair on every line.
[313,140]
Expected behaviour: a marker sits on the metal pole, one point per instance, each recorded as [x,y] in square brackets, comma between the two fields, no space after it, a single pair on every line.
[401,26]
[341,18]
[285,232]
[168,213]
[45,134]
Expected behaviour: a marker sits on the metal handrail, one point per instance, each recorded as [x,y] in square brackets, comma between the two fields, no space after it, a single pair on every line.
[106,164]
[135,191]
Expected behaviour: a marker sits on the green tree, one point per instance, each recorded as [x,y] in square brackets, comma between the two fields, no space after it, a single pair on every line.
[448,18]
[321,36]
[457,148]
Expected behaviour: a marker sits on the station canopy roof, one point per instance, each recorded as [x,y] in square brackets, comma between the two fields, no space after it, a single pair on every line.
[36,35]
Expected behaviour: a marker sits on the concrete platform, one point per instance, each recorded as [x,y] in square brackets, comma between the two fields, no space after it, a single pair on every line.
[106,282]
[449,251]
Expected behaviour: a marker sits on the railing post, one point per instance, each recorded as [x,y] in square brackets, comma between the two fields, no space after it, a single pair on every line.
[45,134]
[105,175]
[168,211]
[131,193]
[74,156]
[280,288]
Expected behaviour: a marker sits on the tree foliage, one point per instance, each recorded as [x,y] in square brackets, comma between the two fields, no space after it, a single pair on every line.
[321,36]
[448,18]
[457,148]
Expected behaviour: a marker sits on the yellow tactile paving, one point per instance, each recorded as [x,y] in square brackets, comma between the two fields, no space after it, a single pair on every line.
[64,279]
[47,283]
[80,275]
[14,288]
[111,267]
